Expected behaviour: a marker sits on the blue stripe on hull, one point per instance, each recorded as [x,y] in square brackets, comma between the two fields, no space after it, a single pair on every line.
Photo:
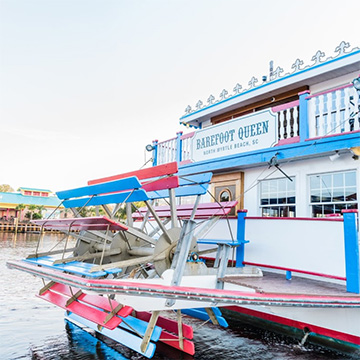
[121,336]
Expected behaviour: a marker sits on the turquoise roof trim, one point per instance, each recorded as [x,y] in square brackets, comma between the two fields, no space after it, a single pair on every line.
[17,198]
[34,189]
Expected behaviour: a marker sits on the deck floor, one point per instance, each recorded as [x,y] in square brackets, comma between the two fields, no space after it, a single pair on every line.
[277,284]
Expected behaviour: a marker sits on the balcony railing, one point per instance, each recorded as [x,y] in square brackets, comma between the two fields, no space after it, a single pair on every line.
[332,112]
[288,120]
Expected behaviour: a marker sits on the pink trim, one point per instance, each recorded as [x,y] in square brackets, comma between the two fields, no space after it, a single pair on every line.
[185,162]
[350,211]
[352,339]
[304,92]
[291,218]
[133,287]
[296,270]
[242,211]
[285,106]
[186,136]
[165,141]
[147,173]
[287,141]
[332,135]
[329,91]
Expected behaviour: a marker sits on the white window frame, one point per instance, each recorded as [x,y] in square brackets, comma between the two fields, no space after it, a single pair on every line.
[348,204]
[288,193]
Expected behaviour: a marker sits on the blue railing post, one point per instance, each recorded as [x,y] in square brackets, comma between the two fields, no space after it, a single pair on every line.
[155,152]
[352,260]
[240,236]
[178,147]
[303,115]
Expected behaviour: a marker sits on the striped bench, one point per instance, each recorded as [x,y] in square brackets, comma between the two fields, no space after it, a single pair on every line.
[203,211]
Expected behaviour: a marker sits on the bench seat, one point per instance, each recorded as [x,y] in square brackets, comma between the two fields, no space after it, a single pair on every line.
[222,242]
[101,223]
[204,210]
[73,267]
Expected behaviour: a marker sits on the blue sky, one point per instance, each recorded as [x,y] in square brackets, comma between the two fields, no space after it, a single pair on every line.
[86,84]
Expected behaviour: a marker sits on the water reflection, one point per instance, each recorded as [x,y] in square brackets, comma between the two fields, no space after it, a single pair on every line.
[31,328]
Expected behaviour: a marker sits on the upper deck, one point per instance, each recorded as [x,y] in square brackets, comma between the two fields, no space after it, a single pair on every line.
[283,116]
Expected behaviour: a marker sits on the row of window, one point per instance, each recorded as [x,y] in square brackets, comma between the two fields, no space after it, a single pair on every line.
[35,193]
[329,194]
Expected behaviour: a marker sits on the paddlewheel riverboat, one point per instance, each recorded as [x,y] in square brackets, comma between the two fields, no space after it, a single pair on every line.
[287,151]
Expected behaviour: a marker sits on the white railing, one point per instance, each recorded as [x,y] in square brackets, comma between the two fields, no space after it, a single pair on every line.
[330,112]
[288,120]
[166,151]
[186,146]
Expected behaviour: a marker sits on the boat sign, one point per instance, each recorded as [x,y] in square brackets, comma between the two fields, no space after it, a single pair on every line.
[247,133]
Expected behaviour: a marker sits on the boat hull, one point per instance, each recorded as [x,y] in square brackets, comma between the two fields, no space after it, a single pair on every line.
[330,328]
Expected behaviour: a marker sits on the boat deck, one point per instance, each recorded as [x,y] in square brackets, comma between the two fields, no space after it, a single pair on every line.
[275,283]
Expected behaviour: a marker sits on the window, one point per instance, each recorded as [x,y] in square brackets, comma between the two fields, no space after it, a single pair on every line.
[332,192]
[277,197]
[225,193]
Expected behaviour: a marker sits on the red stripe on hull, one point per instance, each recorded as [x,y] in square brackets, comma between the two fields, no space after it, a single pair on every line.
[337,335]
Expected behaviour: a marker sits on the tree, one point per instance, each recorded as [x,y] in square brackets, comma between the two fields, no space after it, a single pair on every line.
[31,208]
[121,213]
[65,212]
[6,188]
[40,209]
[86,211]
[20,207]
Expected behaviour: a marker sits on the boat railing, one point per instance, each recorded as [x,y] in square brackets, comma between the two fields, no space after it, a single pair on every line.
[331,112]
[288,121]
[166,151]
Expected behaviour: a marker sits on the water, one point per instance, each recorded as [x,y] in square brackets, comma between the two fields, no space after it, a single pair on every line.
[31,328]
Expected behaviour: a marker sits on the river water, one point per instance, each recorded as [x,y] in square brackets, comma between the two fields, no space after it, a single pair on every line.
[31,328]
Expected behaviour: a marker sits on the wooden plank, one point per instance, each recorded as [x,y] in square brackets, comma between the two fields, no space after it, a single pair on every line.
[126,263]
[195,179]
[139,327]
[113,186]
[86,223]
[167,324]
[75,267]
[160,184]
[180,191]
[148,173]
[173,341]
[102,302]
[87,312]
[48,253]
[115,198]
[203,315]
[119,335]
[184,211]
[149,330]
[88,256]
[201,206]
[222,242]
[203,213]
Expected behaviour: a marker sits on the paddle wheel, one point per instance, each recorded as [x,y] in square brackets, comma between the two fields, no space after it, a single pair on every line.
[156,244]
